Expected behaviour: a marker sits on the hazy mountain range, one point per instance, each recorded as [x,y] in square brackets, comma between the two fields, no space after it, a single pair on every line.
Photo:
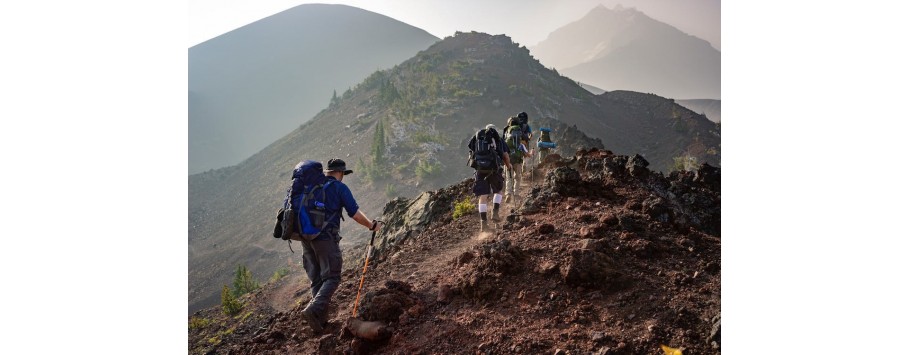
[624,49]
[404,130]
[710,108]
[251,86]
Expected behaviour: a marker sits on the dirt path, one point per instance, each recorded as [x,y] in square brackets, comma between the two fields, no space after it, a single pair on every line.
[424,265]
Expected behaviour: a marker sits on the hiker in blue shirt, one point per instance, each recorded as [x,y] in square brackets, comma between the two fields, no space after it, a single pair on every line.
[322,256]
[525,128]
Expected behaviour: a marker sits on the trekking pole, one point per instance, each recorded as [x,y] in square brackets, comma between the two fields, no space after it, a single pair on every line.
[533,166]
[366,263]
[512,181]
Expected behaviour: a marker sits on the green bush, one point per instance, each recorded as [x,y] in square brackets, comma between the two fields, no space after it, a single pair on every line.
[426,169]
[282,272]
[685,163]
[372,172]
[229,304]
[199,322]
[390,191]
[461,93]
[463,208]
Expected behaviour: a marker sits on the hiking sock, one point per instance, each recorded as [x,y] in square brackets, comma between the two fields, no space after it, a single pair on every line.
[482,207]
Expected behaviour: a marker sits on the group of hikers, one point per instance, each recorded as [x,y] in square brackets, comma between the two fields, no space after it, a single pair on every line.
[490,152]
[317,196]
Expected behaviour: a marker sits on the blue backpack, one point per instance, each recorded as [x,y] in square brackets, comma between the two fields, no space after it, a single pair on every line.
[303,214]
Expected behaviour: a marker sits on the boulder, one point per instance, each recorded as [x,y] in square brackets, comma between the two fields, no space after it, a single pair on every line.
[386,304]
[592,269]
[368,330]
[637,166]
[564,180]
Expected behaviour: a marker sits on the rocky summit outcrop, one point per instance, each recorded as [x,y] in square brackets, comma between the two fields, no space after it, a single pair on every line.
[409,217]
[602,255]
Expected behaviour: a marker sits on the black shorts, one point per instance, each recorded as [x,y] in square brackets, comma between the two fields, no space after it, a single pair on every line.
[487,183]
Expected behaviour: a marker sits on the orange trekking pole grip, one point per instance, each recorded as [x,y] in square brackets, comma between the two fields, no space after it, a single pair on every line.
[366,263]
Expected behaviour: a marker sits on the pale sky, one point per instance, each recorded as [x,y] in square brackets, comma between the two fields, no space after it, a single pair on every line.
[527,21]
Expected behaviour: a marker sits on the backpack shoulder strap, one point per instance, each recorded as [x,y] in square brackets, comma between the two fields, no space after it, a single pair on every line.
[325,188]
[304,203]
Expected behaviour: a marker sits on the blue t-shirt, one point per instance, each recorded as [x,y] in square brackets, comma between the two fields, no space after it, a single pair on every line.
[527,132]
[337,196]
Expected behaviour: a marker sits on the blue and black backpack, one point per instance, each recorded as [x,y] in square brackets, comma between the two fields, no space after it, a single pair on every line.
[303,214]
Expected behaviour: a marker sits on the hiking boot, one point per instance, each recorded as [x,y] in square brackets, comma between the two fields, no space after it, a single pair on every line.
[496,215]
[313,321]
[484,227]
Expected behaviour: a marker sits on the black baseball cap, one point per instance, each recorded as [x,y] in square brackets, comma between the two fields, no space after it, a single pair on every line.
[338,165]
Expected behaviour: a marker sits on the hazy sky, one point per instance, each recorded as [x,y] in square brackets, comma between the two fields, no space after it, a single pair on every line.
[526,21]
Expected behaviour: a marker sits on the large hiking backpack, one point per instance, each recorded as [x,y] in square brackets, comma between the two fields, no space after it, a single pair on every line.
[513,140]
[303,214]
[523,122]
[544,141]
[485,158]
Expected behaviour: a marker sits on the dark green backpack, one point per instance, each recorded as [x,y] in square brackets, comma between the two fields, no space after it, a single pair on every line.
[513,140]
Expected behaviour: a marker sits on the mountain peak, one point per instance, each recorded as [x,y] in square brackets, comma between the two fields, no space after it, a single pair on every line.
[617,9]
[625,49]
[319,42]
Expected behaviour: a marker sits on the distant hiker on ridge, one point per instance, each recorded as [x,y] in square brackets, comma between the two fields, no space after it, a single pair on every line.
[488,154]
[544,144]
[322,255]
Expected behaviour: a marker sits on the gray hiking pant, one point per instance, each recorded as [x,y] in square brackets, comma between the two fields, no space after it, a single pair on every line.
[543,154]
[322,261]
[513,180]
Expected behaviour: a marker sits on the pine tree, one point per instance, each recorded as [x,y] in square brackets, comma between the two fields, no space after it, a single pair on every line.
[244,281]
[229,304]
[378,148]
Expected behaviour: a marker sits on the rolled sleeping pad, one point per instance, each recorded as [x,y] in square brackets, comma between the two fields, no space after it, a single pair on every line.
[546,144]
[544,129]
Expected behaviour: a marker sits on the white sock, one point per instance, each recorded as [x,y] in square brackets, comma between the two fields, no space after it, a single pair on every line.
[482,207]
[497,198]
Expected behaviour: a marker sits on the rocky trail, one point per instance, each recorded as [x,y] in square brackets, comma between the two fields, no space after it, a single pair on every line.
[600,256]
